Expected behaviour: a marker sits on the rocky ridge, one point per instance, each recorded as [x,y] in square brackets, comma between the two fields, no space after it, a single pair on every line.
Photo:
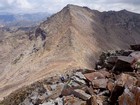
[71,39]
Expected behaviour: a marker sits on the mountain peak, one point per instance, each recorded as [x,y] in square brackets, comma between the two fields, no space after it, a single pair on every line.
[72,39]
[124,11]
[71,5]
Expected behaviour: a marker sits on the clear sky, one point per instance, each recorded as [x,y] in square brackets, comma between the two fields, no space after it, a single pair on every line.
[52,6]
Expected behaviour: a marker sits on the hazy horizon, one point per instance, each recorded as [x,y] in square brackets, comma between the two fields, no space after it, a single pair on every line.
[53,6]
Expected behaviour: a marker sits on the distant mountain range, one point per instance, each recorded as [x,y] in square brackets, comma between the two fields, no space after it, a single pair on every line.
[20,20]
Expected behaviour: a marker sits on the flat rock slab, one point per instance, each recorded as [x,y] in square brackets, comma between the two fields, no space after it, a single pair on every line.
[81,94]
[94,75]
[100,83]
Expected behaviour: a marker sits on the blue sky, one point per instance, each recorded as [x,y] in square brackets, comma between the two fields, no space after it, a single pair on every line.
[53,6]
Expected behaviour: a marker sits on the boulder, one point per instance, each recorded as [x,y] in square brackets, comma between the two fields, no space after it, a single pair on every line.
[124,64]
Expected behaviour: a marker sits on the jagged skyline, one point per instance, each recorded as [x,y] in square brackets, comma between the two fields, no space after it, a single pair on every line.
[53,6]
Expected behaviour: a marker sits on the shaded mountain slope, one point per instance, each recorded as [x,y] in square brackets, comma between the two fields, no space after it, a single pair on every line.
[71,39]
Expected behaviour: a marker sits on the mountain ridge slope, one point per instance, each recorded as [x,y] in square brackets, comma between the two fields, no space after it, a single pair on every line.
[71,39]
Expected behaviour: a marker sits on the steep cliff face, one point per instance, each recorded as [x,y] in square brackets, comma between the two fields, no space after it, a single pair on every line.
[71,39]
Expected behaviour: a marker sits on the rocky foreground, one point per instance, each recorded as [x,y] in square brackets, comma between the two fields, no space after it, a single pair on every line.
[115,82]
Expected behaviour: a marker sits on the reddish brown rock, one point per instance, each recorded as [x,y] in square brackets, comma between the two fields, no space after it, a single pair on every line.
[126,80]
[100,83]
[101,100]
[67,91]
[138,83]
[92,101]
[105,73]
[94,75]
[130,97]
[110,86]
[71,100]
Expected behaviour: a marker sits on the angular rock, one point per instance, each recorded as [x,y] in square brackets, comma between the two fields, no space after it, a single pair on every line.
[81,94]
[130,97]
[101,100]
[135,55]
[126,80]
[72,83]
[78,80]
[112,59]
[117,91]
[135,47]
[90,90]
[67,90]
[104,93]
[124,64]
[80,75]
[56,93]
[94,75]
[84,71]
[53,87]
[71,100]
[110,86]
[92,101]
[138,83]
[100,83]
[105,73]
[51,102]
[127,52]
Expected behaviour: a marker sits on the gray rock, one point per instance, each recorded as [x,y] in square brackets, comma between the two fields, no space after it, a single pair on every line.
[59,101]
[76,79]
[81,94]
[80,75]
[51,102]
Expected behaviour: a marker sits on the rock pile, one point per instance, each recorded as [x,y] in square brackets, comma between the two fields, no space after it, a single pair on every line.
[116,82]
[87,87]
